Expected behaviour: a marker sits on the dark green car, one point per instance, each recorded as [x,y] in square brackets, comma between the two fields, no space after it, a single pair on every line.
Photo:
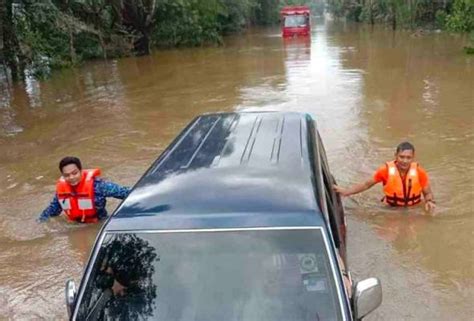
[236,220]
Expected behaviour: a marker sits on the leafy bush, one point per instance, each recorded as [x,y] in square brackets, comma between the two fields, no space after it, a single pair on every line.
[440,19]
[57,33]
[42,43]
[186,23]
[462,17]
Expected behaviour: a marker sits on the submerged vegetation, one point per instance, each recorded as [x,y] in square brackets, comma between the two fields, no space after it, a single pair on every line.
[37,36]
[450,15]
[454,15]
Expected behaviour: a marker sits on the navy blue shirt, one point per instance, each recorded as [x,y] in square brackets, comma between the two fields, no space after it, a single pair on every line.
[102,190]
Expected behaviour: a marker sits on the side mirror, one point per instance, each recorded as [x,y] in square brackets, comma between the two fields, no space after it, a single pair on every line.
[70,293]
[367,297]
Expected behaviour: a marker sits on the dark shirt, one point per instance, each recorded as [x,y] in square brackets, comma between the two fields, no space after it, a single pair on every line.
[102,190]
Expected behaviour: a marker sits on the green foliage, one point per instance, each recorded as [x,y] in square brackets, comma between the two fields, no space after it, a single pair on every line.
[440,19]
[406,12]
[462,17]
[186,23]
[88,46]
[470,48]
[401,13]
[41,41]
[267,12]
[338,8]
[236,14]
[196,22]
[50,39]
[316,7]
[454,15]
[60,33]
[354,11]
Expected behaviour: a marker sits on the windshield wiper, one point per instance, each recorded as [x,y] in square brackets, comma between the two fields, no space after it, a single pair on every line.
[99,305]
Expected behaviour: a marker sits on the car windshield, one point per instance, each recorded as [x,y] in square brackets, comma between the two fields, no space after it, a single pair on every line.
[212,276]
[295,21]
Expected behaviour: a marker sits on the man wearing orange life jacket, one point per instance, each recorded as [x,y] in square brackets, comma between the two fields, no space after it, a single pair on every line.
[404,181]
[81,194]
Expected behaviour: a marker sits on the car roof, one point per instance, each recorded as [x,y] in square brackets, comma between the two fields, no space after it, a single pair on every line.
[229,170]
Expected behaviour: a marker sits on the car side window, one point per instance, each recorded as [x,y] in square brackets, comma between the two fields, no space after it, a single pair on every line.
[325,194]
[316,163]
[331,197]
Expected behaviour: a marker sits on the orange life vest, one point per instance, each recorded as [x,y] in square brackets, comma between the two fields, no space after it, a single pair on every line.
[402,193]
[78,201]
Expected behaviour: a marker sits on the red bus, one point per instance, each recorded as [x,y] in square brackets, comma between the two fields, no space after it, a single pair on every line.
[295,21]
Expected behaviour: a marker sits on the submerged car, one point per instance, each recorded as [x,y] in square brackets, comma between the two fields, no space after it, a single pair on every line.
[236,220]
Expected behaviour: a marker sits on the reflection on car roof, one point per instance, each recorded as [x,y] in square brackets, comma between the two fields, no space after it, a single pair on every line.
[229,170]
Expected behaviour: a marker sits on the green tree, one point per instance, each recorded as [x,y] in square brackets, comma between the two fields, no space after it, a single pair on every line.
[40,35]
[398,13]
[187,23]
[267,12]
[10,53]
[462,17]
[137,17]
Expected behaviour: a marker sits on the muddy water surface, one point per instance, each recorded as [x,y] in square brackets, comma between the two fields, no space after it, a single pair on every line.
[368,88]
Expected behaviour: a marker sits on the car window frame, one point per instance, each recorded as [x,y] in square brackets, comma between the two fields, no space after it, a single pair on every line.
[317,163]
[321,188]
[336,211]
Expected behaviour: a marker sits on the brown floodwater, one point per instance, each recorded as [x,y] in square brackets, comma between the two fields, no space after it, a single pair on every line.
[369,89]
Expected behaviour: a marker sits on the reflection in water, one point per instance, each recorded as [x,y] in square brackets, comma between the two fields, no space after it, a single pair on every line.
[33,90]
[369,89]
[401,227]
[8,125]
[297,53]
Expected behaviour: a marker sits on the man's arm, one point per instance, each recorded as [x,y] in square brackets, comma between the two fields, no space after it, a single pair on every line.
[430,204]
[109,189]
[355,188]
[426,190]
[54,209]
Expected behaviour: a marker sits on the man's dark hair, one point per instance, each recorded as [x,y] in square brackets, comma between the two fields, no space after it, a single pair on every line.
[405,146]
[68,160]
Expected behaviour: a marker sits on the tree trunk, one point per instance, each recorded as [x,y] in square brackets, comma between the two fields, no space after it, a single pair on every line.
[99,29]
[72,51]
[10,43]
[394,15]
[102,45]
[2,43]
[139,15]
[2,18]
[371,10]
[142,45]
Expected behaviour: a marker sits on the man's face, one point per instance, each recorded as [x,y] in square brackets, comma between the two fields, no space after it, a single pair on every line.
[404,159]
[72,174]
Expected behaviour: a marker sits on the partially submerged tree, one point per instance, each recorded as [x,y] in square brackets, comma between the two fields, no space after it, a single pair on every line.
[11,54]
[41,35]
[137,17]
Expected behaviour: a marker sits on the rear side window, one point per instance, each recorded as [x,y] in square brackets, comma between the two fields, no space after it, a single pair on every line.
[213,276]
[335,214]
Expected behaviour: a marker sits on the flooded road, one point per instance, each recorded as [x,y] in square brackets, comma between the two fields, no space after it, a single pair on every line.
[368,88]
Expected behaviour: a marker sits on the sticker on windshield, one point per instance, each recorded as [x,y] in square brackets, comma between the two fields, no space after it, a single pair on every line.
[308,263]
[314,283]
